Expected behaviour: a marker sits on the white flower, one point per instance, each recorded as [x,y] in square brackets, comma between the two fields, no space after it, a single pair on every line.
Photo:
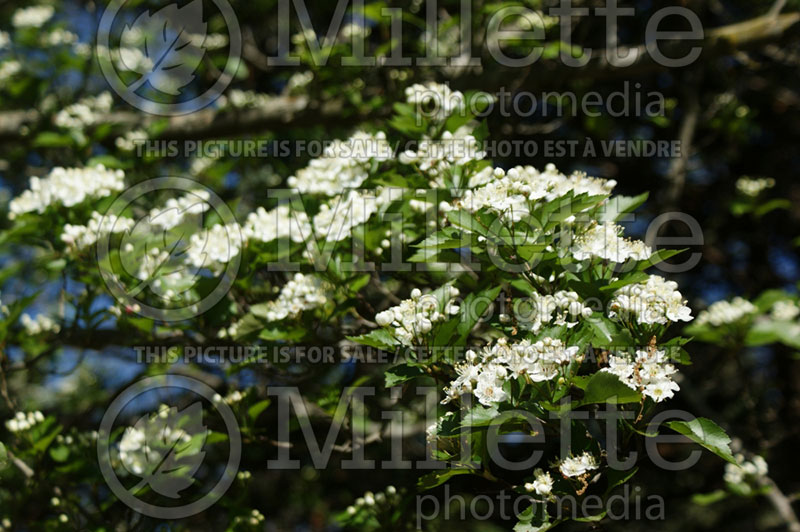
[542,483]
[83,236]
[508,193]
[537,362]
[86,112]
[653,301]
[576,466]
[343,165]
[562,308]
[785,310]
[239,99]
[8,69]
[746,472]
[40,325]
[301,293]
[604,241]
[436,157]
[68,187]
[752,187]
[59,37]
[489,390]
[724,312]
[23,421]
[648,372]
[336,219]
[280,222]
[131,139]
[435,100]
[214,248]
[31,17]
[415,317]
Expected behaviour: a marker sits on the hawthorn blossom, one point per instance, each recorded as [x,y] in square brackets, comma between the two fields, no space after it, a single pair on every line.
[656,300]
[576,466]
[648,372]
[414,318]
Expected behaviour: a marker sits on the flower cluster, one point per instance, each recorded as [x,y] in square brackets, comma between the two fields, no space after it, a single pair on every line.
[561,308]
[745,470]
[648,372]
[577,466]
[129,141]
[435,100]
[31,17]
[605,241]
[301,293]
[437,157]
[280,222]
[175,210]
[22,421]
[370,500]
[9,69]
[83,236]
[232,398]
[653,301]
[239,99]
[137,444]
[485,373]
[86,112]
[510,191]
[542,483]
[725,312]
[39,325]
[59,37]
[785,310]
[414,318]
[750,186]
[68,187]
[215,247]
[344,165]
[254,519]
[335,220]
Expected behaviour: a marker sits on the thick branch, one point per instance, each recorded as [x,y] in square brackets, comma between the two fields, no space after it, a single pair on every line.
[210,123]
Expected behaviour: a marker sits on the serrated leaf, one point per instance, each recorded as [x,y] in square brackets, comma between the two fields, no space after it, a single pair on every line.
[437,478]
[400,374]
[707,434]
[379,339]
[605,387]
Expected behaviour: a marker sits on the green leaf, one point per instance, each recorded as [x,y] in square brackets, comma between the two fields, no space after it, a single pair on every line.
[705,499]
[49,139]
[401,373]
[605,387]
[3,456]
[616,206]
[707,434]
[658,257]
[254,411]
[379,339]
[59,453]
[437,478]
